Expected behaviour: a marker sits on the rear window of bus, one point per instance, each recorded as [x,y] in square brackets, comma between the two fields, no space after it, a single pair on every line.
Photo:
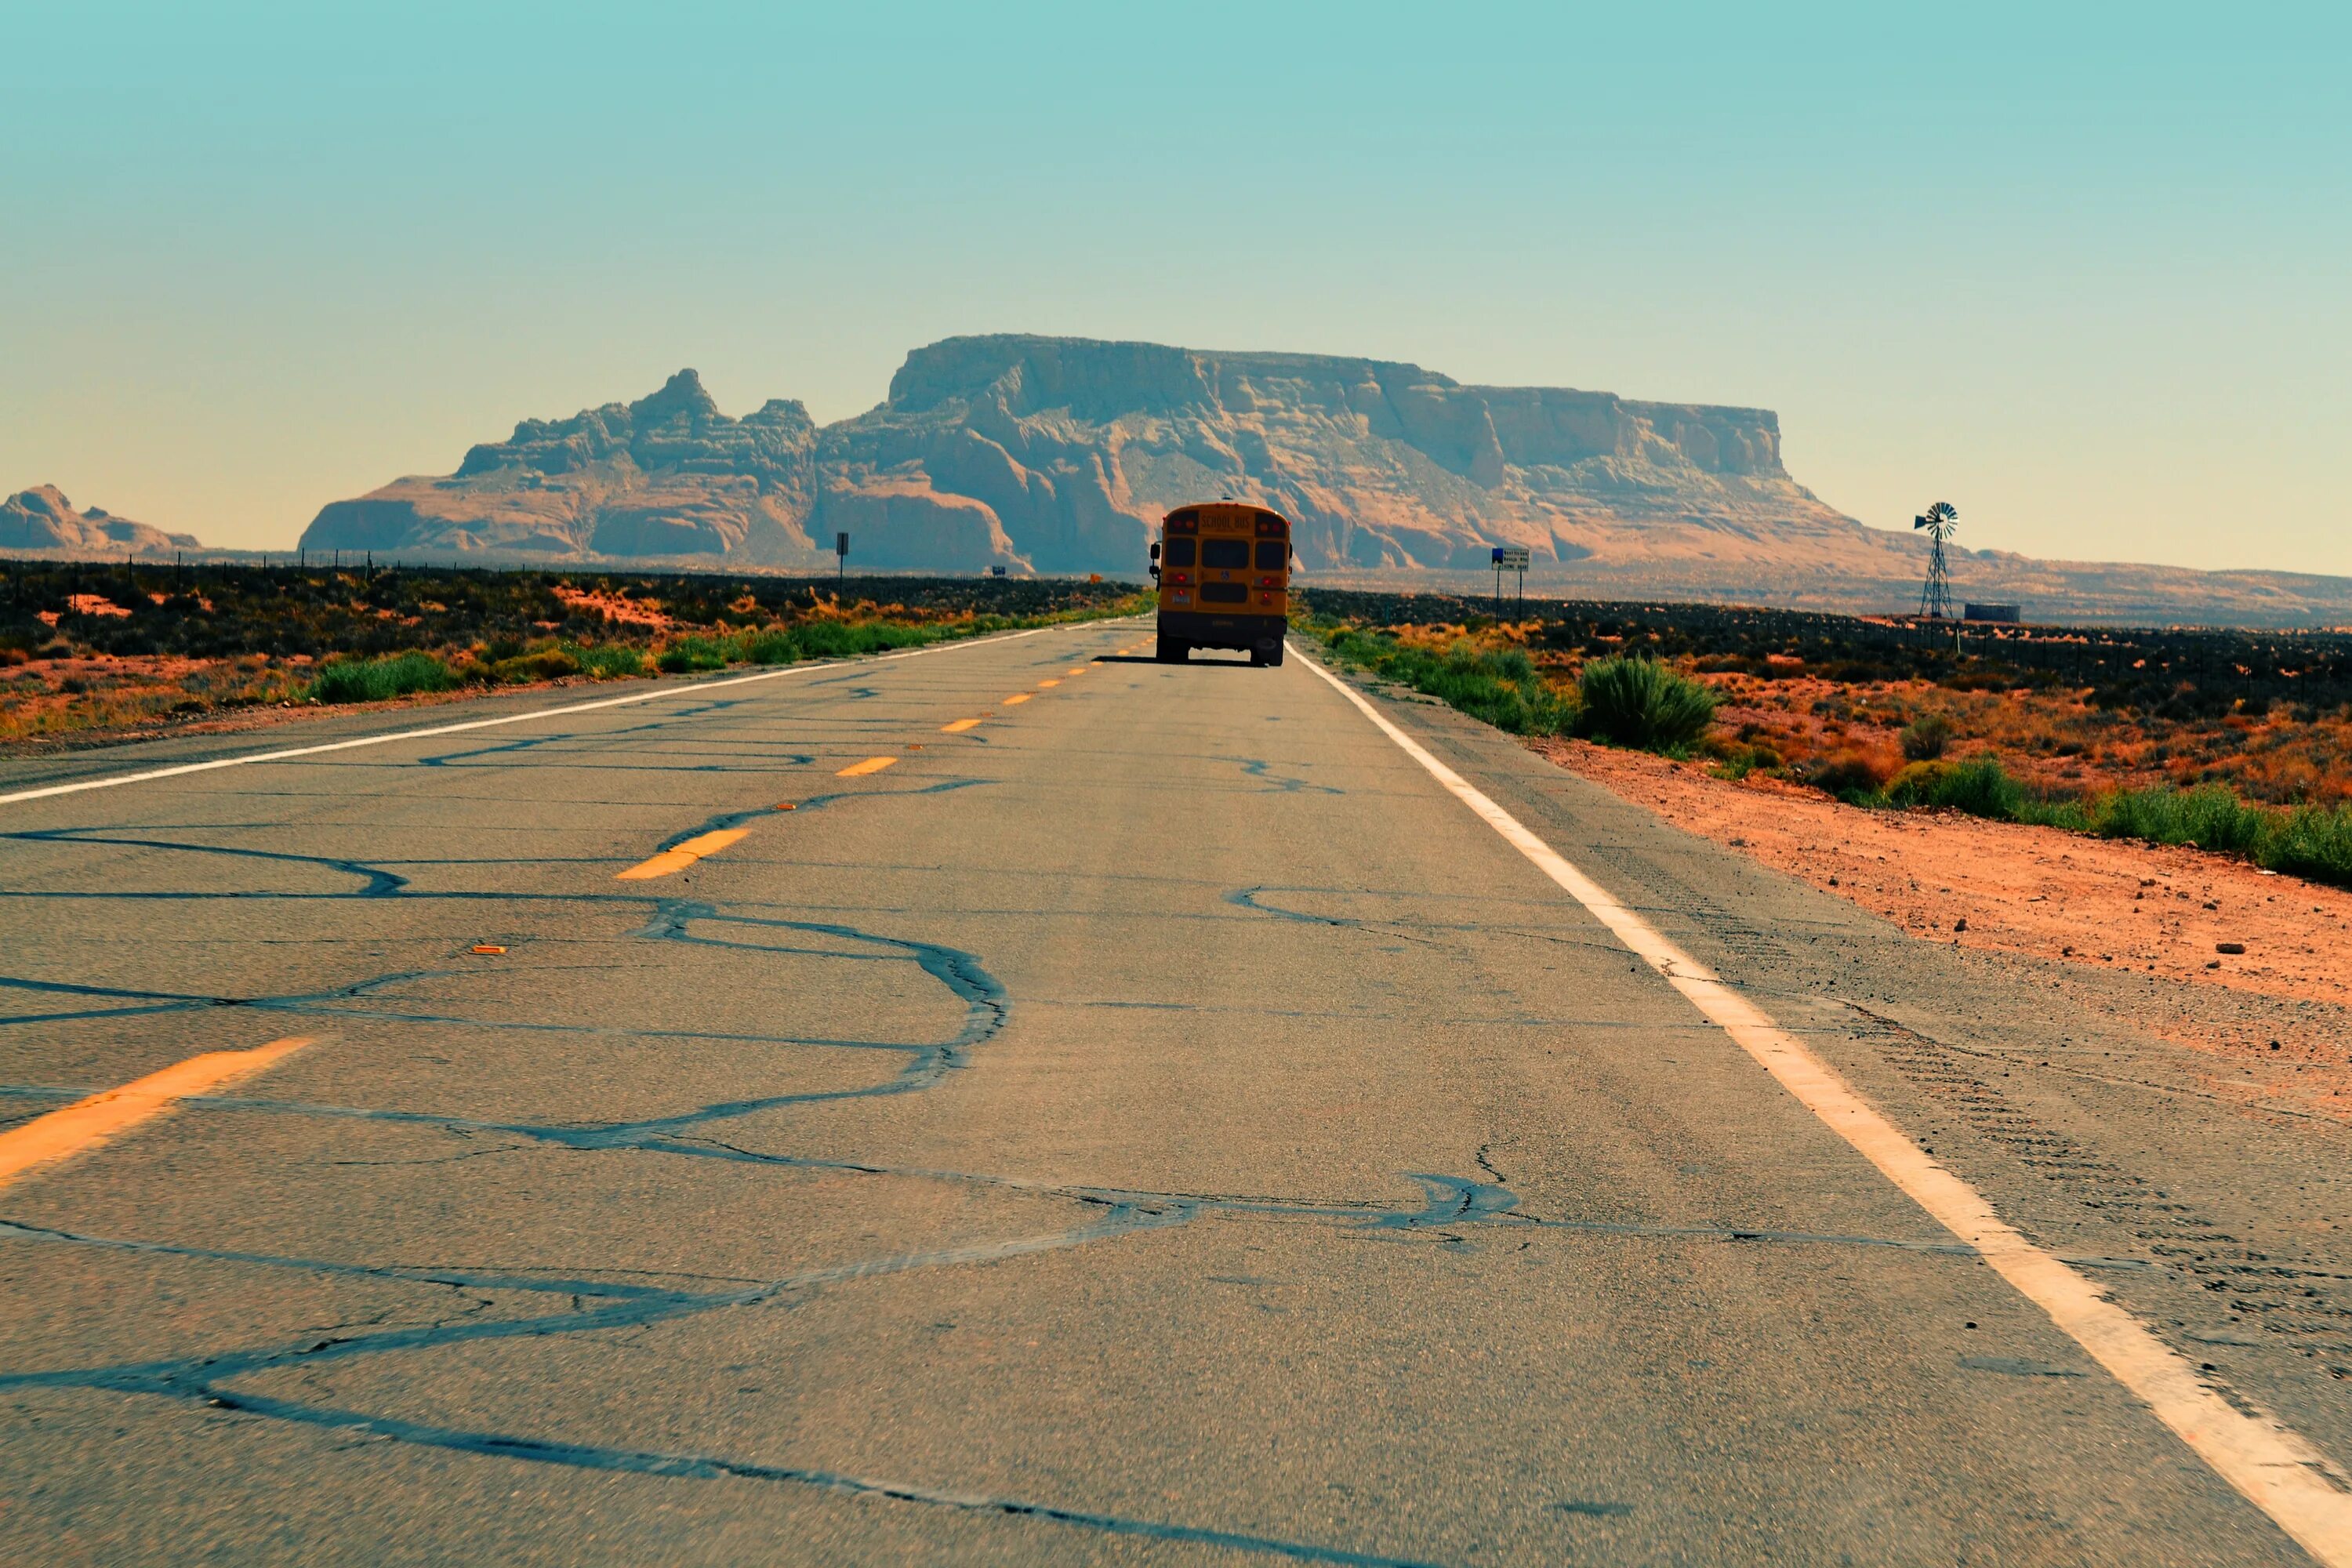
[1179,552]
[1224,554]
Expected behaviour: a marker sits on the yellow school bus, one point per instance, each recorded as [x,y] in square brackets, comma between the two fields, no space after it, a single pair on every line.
[1224,580]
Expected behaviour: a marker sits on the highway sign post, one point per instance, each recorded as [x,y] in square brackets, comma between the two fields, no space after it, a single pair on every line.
[841,557]
[1511,558]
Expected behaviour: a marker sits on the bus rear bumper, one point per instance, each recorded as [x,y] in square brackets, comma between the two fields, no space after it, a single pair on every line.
[1202,629]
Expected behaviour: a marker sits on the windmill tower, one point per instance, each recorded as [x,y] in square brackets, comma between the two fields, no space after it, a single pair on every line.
[1935,597]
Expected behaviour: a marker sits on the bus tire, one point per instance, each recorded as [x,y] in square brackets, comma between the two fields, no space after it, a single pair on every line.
[1266,659]
[1173,650]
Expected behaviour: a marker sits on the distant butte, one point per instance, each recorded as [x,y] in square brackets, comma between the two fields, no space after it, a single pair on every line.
[40,520]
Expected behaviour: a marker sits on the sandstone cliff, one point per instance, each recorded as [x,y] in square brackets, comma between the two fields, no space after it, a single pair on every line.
[41,520]
[1057,455]
[666,477]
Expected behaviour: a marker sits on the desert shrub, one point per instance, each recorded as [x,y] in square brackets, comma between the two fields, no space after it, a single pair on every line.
[1635,700]
[688,653]
[773,646]
[2210,816]
[608,661]
[1925,739]
[1915,783]
[1979,786]
[377,679]
[2310,841]
[1850,776]
[540,664]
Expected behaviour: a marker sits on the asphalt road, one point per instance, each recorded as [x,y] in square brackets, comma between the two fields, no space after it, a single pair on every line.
[1158,1123]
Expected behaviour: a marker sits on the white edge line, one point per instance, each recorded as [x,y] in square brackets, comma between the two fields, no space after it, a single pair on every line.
[2275,1466]
[693,689]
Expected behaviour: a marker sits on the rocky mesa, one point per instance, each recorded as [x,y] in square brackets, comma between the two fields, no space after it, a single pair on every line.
[1058,455]
[41,522]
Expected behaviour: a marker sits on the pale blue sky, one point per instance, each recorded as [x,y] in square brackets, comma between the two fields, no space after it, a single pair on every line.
[2083,272]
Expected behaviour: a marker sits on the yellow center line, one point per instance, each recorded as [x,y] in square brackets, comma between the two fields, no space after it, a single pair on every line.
[1049,683]
[1016,697]
[87,1123]
[870,765]
[1079,670]
[679,856]
[960,726]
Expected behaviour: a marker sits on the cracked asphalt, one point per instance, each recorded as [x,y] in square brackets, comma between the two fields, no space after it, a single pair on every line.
[1157,1125]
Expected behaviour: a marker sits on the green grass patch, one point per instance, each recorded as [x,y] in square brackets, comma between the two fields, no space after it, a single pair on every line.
[685,655]
[2313,841]
[379,679]
[607,661]
[773,644]
[539,664]
[847,639]
[1505,690]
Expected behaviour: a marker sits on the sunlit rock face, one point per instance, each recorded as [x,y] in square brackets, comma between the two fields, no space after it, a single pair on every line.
[1058,454]
[1076,445]
[668,477]
[42,520]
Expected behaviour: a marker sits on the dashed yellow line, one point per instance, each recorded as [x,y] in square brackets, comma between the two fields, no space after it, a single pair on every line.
[870,765]
[1016,697]
[683,854]
[87,1123]
[1044,683]
[960,726]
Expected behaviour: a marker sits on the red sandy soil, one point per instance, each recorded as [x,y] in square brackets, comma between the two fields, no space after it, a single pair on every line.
[614,607]
[2055,741]
[2038,891]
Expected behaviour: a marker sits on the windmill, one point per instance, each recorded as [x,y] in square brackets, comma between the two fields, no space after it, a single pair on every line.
[1936,598]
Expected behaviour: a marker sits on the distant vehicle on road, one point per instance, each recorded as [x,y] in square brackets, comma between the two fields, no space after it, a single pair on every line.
[1224,580]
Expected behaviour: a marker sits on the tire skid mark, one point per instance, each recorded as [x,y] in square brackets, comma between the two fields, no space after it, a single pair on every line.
[2296,1303]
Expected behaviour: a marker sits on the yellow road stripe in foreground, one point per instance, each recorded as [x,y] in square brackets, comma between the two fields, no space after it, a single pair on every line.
[960,726]
[1016,697]
[1049,683]
[683,856]
[870,765]
[87,1123]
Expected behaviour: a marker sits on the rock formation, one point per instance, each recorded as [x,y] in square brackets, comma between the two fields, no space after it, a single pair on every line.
[1058,455]
[666,477]
[41,520]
